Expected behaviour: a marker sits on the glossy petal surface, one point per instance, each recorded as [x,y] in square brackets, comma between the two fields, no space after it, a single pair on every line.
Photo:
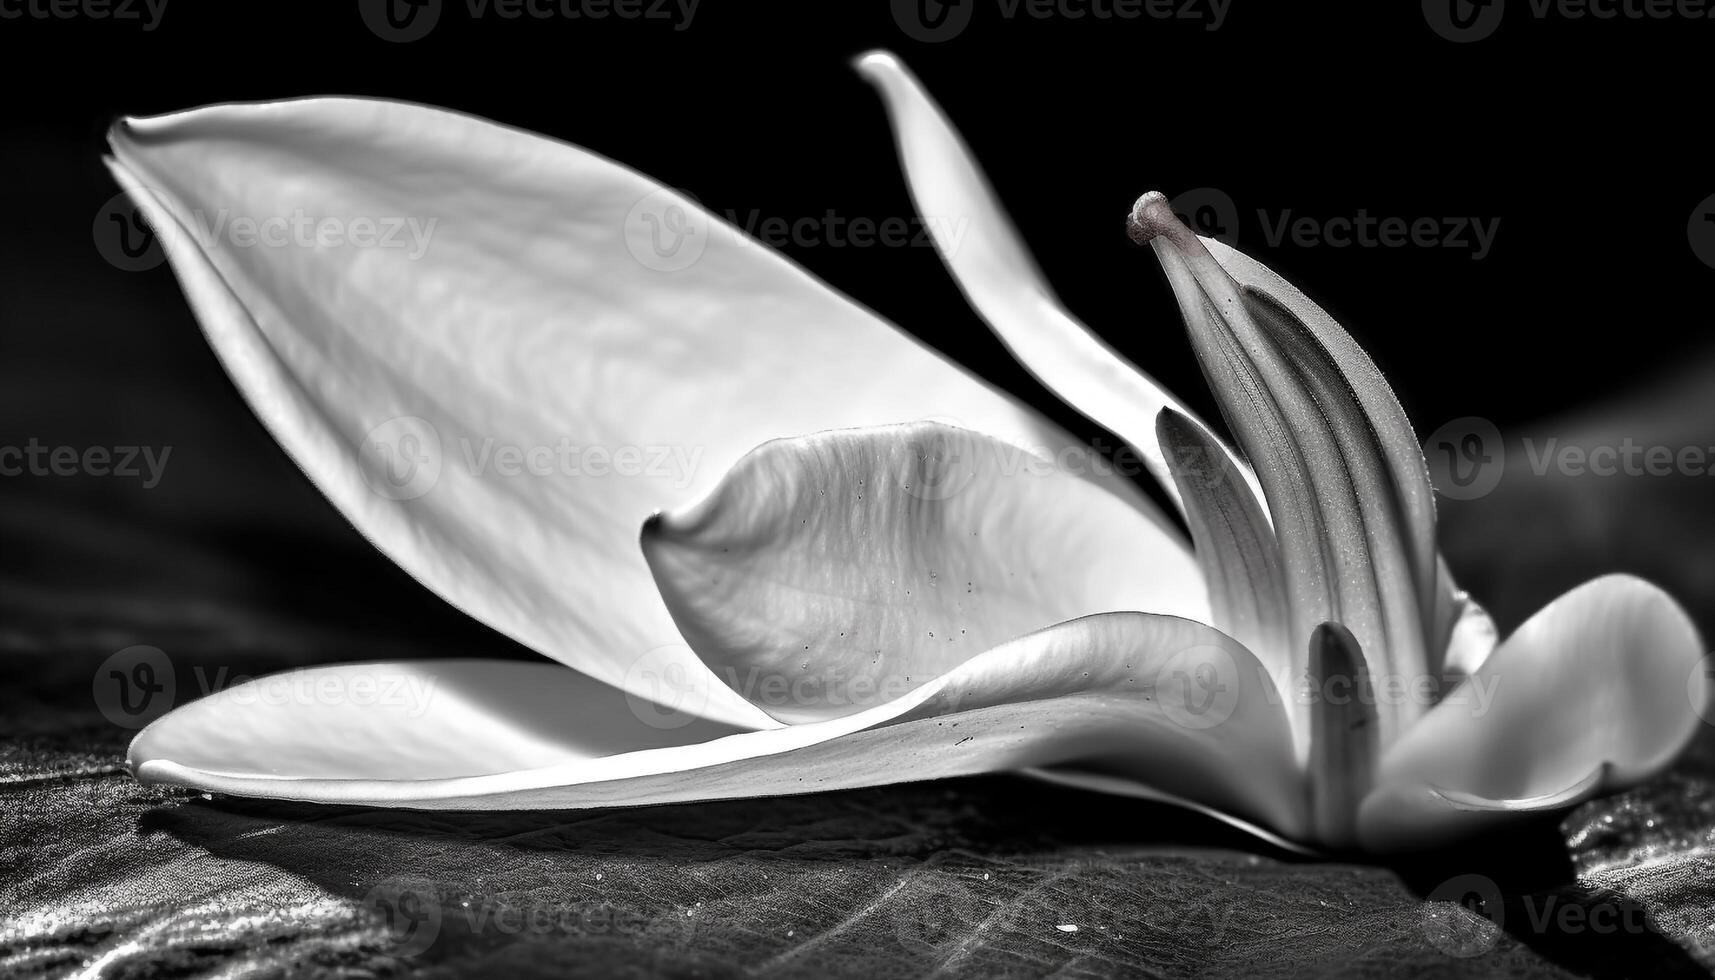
[833,572]
[508,351]
[1599,690]
[1122,691]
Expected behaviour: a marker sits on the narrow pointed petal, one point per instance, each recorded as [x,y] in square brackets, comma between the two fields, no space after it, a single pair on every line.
[1108,689]
[830,573]
[1604,680]
[1342,734]
[1410,490]
[1000,279]
[1321,458]
[510,350]
[1232,540]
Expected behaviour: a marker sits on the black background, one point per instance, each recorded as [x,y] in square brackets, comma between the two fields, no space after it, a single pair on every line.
[1585,138]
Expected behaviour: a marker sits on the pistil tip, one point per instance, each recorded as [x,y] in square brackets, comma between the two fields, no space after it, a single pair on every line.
[1153,215]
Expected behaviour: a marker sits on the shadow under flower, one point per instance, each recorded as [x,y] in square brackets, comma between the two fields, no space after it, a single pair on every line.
[992,875]
[1523,883]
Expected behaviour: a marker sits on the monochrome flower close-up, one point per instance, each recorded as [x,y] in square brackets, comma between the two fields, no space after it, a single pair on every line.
[818,554]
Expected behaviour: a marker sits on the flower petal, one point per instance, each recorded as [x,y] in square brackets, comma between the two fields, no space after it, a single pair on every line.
[833,572]
[995,271]
[1471,633]
[497,394]
[1232,540]
[1408,486]
[1290,394]
[1601,681]
[1342,734]
[1114,690]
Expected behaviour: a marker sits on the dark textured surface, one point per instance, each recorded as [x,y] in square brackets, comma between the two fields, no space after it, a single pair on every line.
[973,878]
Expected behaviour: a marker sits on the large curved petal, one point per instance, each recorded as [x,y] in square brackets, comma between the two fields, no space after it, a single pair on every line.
[496,353]
[1122,691]
[994,269]
[833,572]
[1597,691]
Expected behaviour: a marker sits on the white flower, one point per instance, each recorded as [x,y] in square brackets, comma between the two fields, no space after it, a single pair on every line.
[861,567]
